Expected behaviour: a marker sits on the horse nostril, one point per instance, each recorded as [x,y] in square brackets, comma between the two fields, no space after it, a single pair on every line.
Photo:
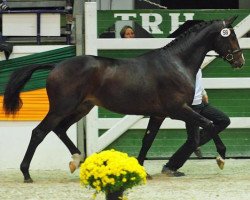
[240,65]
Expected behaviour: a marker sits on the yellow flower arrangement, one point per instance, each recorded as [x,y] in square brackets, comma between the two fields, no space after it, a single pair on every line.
[111,171]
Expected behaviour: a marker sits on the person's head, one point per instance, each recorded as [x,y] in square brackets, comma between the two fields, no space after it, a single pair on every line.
[127,32]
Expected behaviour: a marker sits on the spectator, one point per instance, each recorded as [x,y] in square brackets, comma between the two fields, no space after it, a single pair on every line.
[127,32]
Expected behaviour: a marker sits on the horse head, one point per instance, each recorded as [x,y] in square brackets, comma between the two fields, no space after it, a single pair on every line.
[227,45]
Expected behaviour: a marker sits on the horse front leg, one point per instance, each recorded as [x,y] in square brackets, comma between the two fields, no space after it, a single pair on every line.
[188,115]
[150,134]
[221,149]
[210,131]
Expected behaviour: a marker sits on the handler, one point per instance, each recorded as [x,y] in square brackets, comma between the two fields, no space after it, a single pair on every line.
[196,137]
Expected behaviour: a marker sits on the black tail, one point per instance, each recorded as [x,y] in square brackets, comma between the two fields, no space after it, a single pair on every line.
[12,102]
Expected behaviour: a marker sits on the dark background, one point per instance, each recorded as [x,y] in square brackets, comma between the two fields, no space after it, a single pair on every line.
[189,4]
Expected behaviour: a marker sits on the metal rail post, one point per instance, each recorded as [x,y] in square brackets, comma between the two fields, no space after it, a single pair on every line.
[78,15]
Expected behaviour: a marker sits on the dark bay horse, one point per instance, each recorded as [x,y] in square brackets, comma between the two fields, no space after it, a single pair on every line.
[159,84]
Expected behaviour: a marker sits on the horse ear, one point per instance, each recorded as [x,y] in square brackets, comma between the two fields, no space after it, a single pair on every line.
[229,21]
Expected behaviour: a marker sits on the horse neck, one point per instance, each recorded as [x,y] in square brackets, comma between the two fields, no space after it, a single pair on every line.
[193,49]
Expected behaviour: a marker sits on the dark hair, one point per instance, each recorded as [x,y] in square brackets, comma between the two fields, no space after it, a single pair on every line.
[123,30]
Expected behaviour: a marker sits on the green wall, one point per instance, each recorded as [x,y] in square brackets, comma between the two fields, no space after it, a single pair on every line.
[107,19]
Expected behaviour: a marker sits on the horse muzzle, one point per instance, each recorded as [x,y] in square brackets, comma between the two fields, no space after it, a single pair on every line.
[235,58]
[238,63]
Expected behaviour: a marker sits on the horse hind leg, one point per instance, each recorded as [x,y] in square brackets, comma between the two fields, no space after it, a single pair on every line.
[61,132]
[38,134]
[62,128]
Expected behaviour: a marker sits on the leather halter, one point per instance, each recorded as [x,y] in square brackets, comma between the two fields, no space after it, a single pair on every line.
[230,56]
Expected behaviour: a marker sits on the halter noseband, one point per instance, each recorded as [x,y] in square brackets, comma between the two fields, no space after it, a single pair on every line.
[230,56]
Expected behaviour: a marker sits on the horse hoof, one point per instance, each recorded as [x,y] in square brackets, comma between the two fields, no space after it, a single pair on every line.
[72,166]
[220,162]
[29,180]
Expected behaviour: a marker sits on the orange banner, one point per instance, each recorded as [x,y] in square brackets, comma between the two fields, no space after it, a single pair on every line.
[35,107]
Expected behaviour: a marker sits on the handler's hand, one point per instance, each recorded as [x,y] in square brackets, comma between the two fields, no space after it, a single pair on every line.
[205,99]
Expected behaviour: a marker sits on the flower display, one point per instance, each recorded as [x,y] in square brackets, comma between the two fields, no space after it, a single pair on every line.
[111,171]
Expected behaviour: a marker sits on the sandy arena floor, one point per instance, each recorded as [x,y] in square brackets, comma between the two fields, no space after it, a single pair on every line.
[203,181]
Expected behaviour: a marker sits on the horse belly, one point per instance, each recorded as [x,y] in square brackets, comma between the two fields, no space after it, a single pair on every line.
[128,102]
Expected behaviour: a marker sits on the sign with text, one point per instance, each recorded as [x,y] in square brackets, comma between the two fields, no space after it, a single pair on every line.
[161,23]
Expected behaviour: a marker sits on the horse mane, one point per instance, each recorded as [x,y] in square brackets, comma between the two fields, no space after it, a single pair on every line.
[185,29]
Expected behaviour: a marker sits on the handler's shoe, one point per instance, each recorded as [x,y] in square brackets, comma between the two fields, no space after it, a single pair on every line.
[198,152]
[171,173]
